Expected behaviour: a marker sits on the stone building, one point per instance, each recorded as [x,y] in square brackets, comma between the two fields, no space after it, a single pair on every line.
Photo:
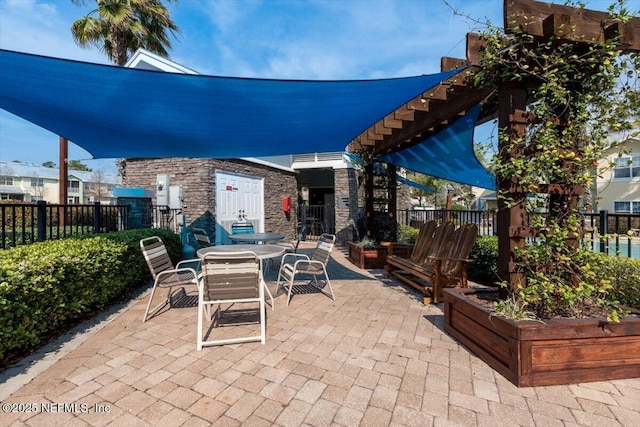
[199,188]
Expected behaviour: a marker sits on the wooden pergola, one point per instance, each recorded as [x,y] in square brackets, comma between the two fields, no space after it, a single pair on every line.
[437,107]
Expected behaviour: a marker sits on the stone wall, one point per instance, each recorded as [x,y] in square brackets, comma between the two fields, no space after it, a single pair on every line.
[197,178]
[346,183]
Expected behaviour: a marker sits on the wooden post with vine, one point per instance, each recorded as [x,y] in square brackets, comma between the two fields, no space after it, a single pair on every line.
[546,27]
[511,215]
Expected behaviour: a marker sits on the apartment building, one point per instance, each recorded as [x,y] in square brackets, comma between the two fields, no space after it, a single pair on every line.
[30,183]
[618,186]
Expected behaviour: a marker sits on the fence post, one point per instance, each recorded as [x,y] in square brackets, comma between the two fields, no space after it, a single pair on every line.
[604,228]
[96,217]
[41,207]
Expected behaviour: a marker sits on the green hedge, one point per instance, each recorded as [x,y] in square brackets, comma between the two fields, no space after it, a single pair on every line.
[47,286]
[484,269]
[623,272]
[407,234]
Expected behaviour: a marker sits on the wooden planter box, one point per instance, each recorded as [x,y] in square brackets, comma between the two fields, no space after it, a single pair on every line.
[559,351]
[371,258]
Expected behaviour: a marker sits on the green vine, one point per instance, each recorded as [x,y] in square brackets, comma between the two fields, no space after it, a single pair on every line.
[579,95]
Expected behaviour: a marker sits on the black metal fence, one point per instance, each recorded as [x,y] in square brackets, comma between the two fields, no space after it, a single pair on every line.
[485,220]
[25,223]
[613,233]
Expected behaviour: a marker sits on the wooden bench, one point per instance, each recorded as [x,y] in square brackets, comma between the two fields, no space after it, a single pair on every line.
[425,235]
[436,261]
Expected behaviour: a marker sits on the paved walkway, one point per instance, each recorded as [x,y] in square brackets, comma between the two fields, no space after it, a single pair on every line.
[374,357]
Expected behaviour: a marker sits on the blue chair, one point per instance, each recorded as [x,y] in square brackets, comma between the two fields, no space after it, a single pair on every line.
[242,228]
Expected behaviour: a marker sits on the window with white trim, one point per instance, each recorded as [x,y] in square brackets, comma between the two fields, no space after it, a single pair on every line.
[37,182]
[6,180]
[627,167]
[626,206]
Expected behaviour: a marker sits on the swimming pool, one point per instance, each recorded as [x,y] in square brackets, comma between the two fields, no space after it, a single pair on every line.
[624,247]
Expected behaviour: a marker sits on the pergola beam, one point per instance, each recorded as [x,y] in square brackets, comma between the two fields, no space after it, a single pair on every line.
[544,20]
[421,116]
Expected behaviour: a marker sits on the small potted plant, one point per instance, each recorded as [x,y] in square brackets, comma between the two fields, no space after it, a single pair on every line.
[367,254]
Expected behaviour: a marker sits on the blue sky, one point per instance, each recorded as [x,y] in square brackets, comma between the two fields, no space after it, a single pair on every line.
[305,39]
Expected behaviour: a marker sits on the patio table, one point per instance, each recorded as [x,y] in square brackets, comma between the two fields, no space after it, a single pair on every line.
[256,237]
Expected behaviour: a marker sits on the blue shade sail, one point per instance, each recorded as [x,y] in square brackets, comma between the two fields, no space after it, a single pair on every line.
[448,154]
[414,184]
[120,112]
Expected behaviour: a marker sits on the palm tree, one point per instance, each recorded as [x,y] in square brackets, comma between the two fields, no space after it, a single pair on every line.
[123,26]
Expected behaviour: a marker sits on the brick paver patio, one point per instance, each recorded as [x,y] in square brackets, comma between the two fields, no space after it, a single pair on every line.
[374,357]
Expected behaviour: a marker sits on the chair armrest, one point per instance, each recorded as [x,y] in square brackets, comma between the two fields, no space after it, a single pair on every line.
[180,270]
[285,256]
[195,262]
[395,246]
[284,243]
[188,261]
[443,258]
[307,261]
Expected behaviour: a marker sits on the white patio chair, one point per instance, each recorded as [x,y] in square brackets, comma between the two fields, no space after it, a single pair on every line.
[164,274]
[230,278]
[294,264]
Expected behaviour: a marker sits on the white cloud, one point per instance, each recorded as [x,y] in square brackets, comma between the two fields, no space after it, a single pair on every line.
[43,29]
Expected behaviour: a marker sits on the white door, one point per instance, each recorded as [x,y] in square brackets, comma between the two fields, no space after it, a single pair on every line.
[234,194]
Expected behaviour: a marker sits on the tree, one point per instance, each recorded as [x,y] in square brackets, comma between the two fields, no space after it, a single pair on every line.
[49,164]
[98,185]
[77,165]
[463,193]
[427,181]
[123,26]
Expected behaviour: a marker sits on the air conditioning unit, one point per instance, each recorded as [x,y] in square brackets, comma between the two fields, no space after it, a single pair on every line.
[162,190]
[175,197]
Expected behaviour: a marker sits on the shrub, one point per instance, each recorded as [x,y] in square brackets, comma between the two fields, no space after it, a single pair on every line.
[484,268]
[624,276]
[46,286]
[407,234]
[620,273]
